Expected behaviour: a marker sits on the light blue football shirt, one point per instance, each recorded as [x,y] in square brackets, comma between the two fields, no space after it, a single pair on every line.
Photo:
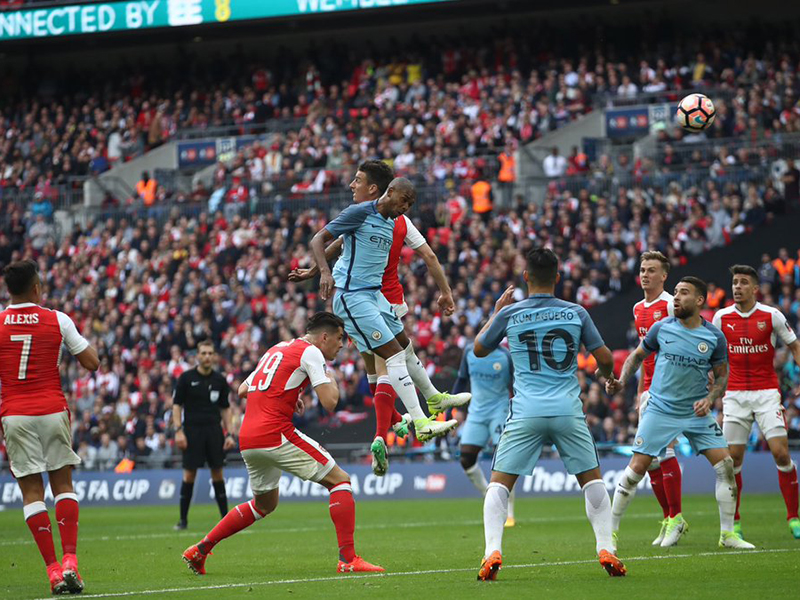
[367,241]
[490,379]
[685,356]
[544,335]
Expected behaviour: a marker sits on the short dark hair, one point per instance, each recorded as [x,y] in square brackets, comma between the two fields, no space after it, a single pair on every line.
[324,320]
[206,343]
[744,270]
[542,264]
[378,173]
[656,255]
[699,284]
[20,276]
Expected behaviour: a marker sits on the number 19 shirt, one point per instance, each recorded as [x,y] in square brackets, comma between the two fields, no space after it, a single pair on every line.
[544,336]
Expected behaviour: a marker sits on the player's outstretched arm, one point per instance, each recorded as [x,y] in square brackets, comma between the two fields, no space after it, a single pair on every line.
[446,302]
[318,243]
[632,364]
[794,348]
[333,251]
[242,391]
[490,334]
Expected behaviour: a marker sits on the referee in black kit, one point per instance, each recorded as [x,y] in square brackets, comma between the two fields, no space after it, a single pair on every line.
[203,394]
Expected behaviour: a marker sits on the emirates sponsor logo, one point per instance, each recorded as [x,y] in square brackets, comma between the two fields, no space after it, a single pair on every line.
[758,349]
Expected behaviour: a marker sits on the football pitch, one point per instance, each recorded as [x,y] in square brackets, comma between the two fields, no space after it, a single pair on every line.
[430,548]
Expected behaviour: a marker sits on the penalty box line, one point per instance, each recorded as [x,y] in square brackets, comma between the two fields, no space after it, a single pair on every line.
[342,578]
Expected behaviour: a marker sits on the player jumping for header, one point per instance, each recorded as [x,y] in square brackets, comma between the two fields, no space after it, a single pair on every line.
[369,320]
[688,347]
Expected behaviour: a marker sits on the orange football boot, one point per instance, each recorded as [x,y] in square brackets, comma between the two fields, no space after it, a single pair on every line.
[490,566]
[358,565]
[195,560]
[612,564]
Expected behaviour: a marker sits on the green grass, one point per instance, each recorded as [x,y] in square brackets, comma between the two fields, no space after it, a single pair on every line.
[292,553]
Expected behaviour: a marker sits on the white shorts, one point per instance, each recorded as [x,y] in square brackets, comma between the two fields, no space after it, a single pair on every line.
[298,455]
[401,310]
[742,407]
[39,443]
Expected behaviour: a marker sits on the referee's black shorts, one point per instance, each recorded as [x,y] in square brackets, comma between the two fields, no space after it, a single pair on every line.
[203,445]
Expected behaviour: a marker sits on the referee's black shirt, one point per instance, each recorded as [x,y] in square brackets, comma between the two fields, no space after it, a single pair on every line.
[202,396]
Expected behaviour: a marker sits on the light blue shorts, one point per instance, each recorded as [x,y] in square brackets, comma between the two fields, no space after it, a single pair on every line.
[477,431]
[523,439]
[657,431]
[368,318]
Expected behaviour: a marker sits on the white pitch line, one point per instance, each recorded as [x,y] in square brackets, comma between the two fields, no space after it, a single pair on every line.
[192,533]
[564,563]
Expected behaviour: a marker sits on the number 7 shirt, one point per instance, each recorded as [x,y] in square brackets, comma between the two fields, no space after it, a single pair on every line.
[31,338]
[273,389]
[544,336]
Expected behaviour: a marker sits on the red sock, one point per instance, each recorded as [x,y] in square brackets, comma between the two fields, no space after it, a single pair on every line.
[788,483]
[67,519]
[39,523]
[372,388]
[384,403]
[738,477]
[343,515]
[672,484]
[240,517]
[396,416]
[657,481]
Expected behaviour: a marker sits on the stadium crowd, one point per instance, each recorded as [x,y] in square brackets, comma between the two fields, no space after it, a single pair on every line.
[435,108]
[146,293]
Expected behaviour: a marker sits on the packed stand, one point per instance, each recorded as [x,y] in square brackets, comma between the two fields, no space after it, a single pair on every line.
[431,107]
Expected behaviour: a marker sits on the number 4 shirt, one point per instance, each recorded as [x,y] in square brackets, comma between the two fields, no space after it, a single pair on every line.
[544,335]
[30,353]
[273,389]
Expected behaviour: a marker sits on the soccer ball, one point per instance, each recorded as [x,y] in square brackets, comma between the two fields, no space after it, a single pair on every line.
[696,112]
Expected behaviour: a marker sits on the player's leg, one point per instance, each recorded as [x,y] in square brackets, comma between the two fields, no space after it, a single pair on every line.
[725,492]
[264,480]
[56,440]
[187,490]
[656,477]
[215,457]
[778,442]
[469,462]
[672,481]
[397,422]
[24,436]
[654,433]
[67,512]
[386,416]
[577,450]
[736,427]
[491,430]
[517,452]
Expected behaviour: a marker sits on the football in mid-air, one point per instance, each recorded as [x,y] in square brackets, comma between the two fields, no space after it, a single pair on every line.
[696,112]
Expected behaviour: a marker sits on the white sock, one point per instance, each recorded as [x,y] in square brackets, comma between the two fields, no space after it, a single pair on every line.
[598,509]
[626,490]
[655,465]
[476,476]
[511,497]
[495,511]
[418,373]
[726,493]
[372,378]
[403,384]
[670,453]
[787,469]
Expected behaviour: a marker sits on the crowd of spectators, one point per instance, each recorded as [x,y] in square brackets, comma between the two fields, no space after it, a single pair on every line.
[145,292]
[437,106]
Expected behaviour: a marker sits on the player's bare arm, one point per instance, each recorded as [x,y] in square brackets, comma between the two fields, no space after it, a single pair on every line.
[318,244]
[632,364]
[504,300]
[88,358]
[227,424]
[445,301]
[180,436]
[794,348]
[331,252]
[717,390]
[605,362]
[242,391]
[328,394]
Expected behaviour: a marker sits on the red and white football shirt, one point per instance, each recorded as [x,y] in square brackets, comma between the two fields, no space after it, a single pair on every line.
[30,353]
[405,233]
[273,390]
[644,315]
[751,345]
